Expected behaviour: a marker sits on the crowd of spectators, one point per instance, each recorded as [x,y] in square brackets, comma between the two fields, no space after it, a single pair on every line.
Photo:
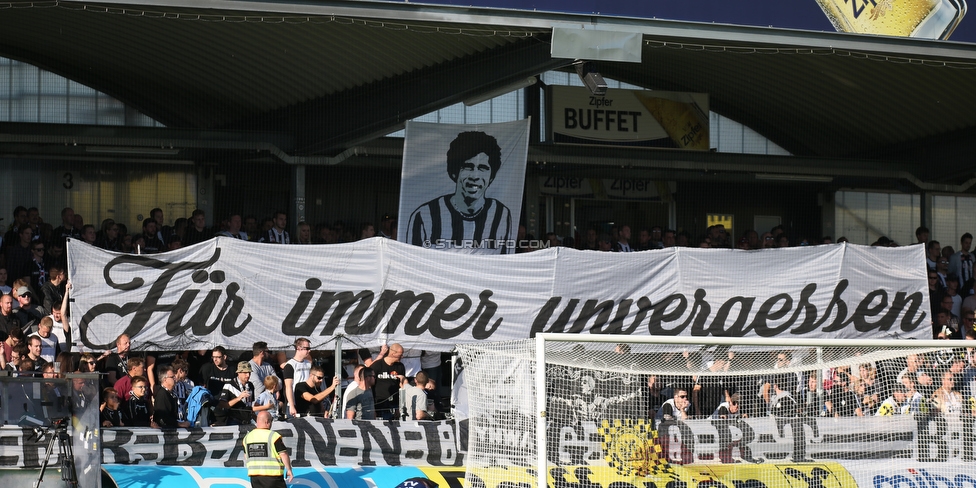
[159,389]
[622,238]
[942,383]
[155,389]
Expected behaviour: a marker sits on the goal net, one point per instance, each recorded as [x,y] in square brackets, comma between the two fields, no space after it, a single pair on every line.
[711,412]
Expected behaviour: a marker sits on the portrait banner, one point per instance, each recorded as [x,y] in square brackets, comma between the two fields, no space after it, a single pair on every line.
[461,187]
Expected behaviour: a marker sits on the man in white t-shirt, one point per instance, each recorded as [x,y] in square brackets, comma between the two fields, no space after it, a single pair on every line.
[49,342]
[61,328]
[296,371]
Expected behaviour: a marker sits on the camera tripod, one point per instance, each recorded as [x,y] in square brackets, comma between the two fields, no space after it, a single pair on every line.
[58,433]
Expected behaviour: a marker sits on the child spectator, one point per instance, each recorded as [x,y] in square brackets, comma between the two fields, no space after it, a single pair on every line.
[268,399]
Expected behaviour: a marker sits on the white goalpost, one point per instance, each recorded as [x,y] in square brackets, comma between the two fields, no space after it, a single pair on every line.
[567,410]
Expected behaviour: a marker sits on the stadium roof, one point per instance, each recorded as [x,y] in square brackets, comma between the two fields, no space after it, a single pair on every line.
[317,78]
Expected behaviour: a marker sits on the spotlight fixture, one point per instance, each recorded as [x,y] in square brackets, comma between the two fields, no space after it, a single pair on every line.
[591,78]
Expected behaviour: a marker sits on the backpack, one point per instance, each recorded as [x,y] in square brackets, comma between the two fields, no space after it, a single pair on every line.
[198,406]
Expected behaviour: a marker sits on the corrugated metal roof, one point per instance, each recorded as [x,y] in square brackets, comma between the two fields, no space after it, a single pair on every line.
[333,74]
[189,70]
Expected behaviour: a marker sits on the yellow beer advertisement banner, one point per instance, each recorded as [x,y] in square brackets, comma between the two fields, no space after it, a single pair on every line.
[928,19]
[629,118]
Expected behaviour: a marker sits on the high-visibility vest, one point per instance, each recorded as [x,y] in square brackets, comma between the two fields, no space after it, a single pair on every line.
[260,456]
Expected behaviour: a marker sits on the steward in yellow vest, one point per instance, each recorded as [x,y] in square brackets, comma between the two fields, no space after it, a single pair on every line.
[265,456]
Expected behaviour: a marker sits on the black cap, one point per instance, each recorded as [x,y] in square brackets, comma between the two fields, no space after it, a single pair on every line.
[418,482]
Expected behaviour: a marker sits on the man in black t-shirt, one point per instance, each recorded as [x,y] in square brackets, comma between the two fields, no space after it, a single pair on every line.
[388,370]
[842,401]
[8,319]
[217,373]
[310,398]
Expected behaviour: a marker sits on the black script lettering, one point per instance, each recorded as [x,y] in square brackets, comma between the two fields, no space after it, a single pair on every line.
[289,325]
[916,303]
[486,311]
[171,448]
[539,324]
[441,313]
[718,325]
[617,324]
[668,317]
[197,324]
[660,315]
[865,309]
[644,305]
[836,301]
[590,308]
[344,300]
[407,300]
[807,309]
[174,327]
[143,311]
[760,325]
[233,306]
[700,311]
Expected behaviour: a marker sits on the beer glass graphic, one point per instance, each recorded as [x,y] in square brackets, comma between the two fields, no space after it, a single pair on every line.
[929,19]
[683,120]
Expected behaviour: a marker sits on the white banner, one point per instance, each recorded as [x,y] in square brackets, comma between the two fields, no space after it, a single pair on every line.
[461,187]
[233,293]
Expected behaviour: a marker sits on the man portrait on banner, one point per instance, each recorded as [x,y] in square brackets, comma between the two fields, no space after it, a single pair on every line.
[466,219]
